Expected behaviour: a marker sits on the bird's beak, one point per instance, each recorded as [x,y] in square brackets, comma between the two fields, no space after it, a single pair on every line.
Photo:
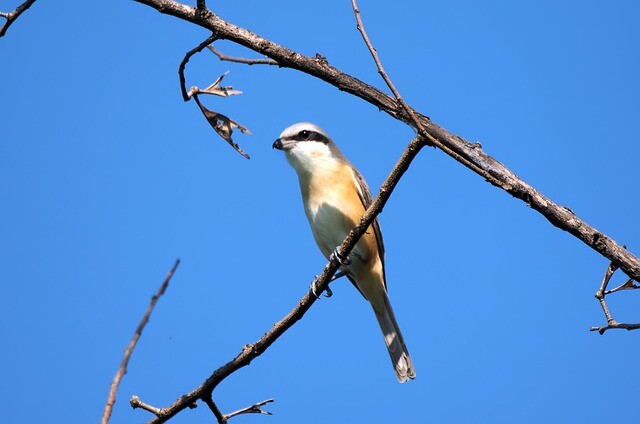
[285,144]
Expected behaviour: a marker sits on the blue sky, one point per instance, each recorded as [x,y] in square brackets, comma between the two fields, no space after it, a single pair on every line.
[107,176]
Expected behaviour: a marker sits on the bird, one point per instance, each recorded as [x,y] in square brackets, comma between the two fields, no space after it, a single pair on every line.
[335,196]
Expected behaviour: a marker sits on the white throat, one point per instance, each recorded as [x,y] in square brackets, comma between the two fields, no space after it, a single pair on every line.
[308,157]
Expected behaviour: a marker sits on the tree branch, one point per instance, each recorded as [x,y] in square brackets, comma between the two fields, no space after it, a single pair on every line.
[12,16]
[224,418]
[603,292]
[122,370]
[470,155]
[224,57]
[385,77]
[252,351]
[222,124]
[253,409]
[185,60]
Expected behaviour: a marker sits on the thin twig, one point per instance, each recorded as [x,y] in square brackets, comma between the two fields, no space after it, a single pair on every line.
[413,117]
[253,409]
[628,285]
[197,49]
[611,269]
[215,89]
[224,57]
[601,296]
[222,124]
[122,370]
[252,351]
[12,16]
[374,53]
[222,419]
[614,325]
[135,403]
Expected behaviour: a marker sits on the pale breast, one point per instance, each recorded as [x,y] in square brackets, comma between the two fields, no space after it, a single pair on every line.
[333,208]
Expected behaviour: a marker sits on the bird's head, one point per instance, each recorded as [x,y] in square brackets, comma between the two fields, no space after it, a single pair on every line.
[306,146]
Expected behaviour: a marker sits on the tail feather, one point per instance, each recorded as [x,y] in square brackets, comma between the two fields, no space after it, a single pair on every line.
[398,352]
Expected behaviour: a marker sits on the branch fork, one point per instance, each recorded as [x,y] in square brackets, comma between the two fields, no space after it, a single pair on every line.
[601,296]
[12,16]
[222,124]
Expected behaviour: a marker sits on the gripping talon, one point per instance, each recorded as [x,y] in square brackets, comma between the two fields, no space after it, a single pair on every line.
[338,275]
[328,292]
[313,289]
[342,260]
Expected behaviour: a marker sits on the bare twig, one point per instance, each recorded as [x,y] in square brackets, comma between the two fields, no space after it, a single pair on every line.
[222,124]
[252,351]
[385,77]
[137,403]
[470,155]
[628,285]
[410,113]
[122,370]
[601,295]
[215,89]
[222,419]
[183,64]
[12,16]
[611,269]
[615,325]
[224,57]
[253,409]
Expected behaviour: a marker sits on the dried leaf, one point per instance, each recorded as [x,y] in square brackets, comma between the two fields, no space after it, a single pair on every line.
[222,125]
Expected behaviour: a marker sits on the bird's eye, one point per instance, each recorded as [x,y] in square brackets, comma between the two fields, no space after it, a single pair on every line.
[304,134]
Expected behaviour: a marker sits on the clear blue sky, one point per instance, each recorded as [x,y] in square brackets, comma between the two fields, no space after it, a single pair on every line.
[107,176]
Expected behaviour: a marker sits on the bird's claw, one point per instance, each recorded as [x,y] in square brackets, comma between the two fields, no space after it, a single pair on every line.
[314,290]
[328,292]
[338,256]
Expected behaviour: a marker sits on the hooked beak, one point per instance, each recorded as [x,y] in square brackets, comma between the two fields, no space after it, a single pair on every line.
[285,144]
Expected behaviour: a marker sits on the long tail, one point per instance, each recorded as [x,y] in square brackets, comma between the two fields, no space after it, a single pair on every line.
[402,364]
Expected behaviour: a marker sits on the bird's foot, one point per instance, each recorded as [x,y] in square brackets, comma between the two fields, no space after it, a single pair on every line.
[338,275]
[314,290]
[342,259]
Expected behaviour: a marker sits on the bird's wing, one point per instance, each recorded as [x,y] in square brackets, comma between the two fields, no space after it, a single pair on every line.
[365,197]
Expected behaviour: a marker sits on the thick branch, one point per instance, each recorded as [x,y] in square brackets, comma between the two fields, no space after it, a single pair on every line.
[12,16]
[469,154]
[122,370]
[250,352]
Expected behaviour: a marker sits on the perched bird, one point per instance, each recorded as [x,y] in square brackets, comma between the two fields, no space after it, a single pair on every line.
[335,196]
